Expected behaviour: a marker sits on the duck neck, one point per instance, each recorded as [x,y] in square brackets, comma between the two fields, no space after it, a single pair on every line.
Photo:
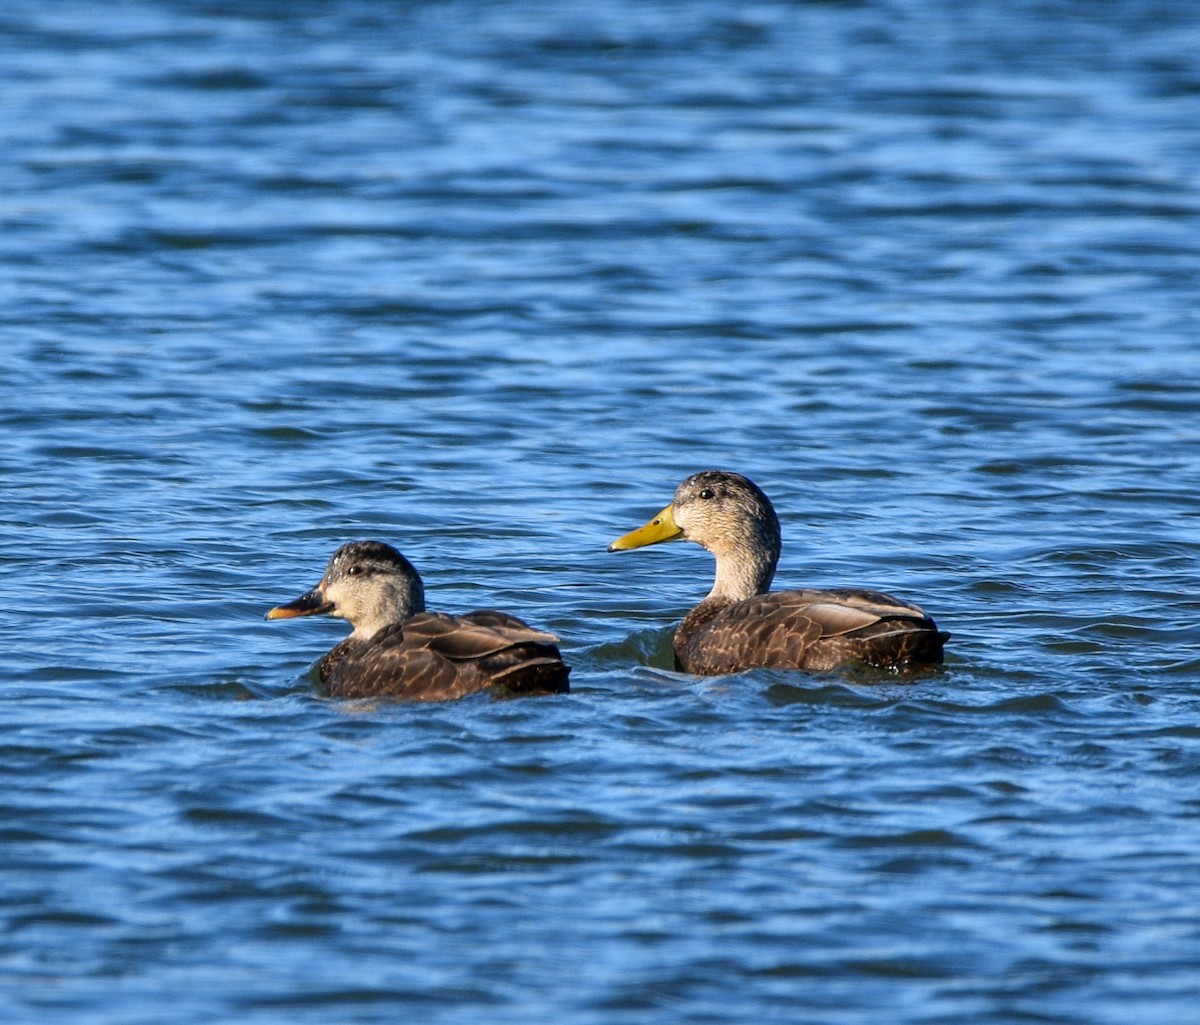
[743,570]
[392,604]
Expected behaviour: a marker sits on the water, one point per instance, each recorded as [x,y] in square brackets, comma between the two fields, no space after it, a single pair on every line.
[486,280]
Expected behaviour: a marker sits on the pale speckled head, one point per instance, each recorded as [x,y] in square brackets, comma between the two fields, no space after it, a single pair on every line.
[367,583]
[730,516]
[717,508]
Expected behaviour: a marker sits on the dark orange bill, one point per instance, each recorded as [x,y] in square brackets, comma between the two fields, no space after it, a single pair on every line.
[311,604]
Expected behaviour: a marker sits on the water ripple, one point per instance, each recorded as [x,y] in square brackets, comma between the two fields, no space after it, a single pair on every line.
[486,281]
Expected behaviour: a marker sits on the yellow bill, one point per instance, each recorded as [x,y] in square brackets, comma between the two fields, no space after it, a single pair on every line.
[661,528]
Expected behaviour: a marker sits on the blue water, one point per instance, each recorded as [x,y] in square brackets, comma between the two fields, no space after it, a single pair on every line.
[486,280]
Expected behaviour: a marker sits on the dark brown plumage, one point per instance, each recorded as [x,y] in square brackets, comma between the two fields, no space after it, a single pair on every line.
[398,650]
[743,625]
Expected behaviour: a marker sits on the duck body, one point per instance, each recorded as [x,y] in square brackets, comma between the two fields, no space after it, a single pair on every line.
[398,650]
[742,624]
[806,629]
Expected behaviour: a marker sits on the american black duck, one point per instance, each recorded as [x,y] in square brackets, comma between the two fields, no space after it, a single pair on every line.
[398,650]
[743,625]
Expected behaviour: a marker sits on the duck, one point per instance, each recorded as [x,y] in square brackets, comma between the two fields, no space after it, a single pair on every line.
[742,624]
[399,650]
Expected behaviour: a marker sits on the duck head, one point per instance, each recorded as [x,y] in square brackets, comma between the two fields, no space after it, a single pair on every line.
[367,583]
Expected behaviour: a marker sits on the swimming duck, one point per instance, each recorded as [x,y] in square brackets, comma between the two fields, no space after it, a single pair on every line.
[743,625]
[397,649]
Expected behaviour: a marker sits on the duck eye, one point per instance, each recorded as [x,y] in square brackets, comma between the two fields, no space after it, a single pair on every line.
[708,493]
[354,570]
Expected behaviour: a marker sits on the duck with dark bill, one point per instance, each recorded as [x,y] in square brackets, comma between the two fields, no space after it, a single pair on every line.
[399,650]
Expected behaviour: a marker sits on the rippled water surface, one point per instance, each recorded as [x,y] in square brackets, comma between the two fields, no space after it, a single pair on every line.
[486,280]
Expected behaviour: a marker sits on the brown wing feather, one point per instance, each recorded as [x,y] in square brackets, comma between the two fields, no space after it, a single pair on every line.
[502,622]
[436,657]
[806,629]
